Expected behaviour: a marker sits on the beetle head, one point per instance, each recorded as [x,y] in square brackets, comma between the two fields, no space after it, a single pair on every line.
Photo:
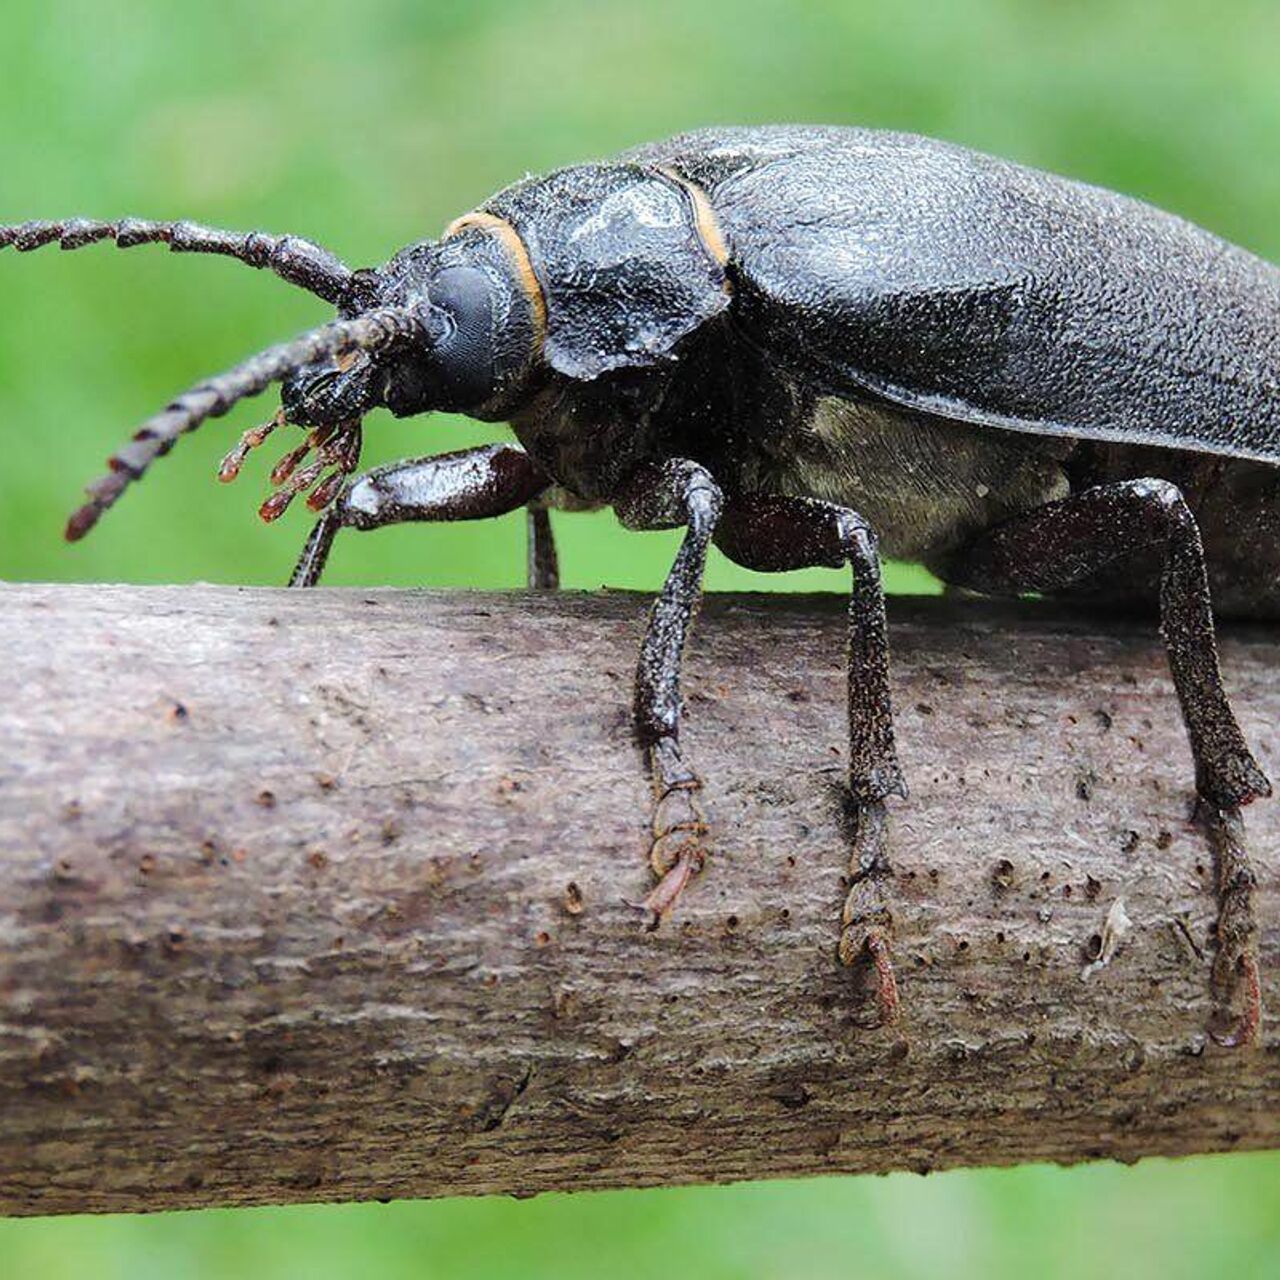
[445,325]
[480,338]
[472,355]
[329,391]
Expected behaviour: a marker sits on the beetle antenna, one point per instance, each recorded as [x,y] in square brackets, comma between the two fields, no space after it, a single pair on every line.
[213,397]
[293,259]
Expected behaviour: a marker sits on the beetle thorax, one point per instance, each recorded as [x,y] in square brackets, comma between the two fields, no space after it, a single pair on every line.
[588,436]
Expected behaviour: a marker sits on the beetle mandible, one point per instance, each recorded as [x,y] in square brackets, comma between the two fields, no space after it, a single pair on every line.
[804,345]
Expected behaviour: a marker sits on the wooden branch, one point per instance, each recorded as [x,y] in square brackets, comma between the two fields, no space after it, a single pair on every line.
[324,896]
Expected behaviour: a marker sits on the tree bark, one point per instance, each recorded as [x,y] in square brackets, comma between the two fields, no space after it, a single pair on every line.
[325,895]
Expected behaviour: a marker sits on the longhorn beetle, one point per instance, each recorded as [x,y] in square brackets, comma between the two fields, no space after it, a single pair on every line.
[803,344]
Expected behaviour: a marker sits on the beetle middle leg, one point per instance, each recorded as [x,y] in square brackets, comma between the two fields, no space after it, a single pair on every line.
[1065,543]
[543,566]
[472,484]
[665,496]
[772,534]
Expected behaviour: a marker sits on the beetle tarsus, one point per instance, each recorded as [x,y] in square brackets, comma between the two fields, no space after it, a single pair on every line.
[686,862]
[677,852]
[888,1004]
[1245,1030]
[1235,973]
[866,922]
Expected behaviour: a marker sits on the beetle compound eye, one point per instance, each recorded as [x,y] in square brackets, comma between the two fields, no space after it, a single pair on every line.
[463,351]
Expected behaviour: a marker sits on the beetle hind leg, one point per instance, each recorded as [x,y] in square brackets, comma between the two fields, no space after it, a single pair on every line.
[1235,962]
[1064,544]
[772,534]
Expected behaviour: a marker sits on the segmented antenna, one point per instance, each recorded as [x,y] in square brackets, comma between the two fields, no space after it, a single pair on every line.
[215,396]
[298,261]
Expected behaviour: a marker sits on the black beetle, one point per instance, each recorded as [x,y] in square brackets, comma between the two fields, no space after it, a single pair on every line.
[803,344]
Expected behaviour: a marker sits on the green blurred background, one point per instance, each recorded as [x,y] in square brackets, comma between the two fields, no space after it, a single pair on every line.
[367,125]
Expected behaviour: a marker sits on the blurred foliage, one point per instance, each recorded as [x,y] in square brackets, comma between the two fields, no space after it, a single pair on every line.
[1163,1220]
[364,126]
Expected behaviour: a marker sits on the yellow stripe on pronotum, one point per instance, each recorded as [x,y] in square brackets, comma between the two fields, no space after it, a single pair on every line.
[704,217]
[705,223]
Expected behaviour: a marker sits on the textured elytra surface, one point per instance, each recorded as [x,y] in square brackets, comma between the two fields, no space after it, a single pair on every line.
[324,895]
[983,291]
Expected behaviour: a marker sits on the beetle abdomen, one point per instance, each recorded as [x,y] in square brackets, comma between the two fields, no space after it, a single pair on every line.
[924,485]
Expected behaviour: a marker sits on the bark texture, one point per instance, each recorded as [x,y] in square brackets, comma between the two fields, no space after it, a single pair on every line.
[325,895]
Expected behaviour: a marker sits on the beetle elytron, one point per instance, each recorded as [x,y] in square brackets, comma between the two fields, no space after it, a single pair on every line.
[802,344]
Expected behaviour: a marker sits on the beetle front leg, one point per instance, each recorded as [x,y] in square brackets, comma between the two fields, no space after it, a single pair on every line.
[472,484]
[666,496]
[772,534]
[1061,545]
